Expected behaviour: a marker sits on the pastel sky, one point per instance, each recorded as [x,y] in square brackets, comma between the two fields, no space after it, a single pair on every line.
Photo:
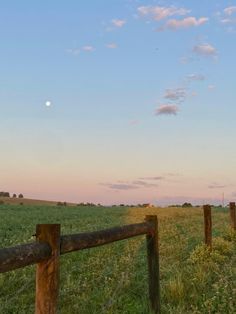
[118,101]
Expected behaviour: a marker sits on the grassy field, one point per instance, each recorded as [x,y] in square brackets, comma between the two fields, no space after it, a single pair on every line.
[113,278]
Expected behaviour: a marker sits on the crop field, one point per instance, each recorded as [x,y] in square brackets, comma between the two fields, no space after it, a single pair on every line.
[113,278]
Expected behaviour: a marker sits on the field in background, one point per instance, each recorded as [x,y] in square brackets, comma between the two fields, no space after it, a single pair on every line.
[113,278]
[29,201]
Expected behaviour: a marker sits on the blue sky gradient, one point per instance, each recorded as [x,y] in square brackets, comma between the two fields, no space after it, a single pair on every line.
[142,100]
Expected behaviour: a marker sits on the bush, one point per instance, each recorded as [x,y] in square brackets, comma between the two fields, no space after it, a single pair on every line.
[230,234]
[202,254]
[187,205]
[4,194]
[1,202]
[61,204]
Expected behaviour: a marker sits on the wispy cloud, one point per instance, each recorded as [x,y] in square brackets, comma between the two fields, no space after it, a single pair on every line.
[159,13]
[191,21]
[88,48]
[144,184]
[195,77]
[111,46]
[230,10]
[157,178]
[175,94]
[77,51]
[121,186]
[205,50]
[133,185]
[74,52]
[118,22]
[211,87]
[167,109]
[216,186]
[228,16]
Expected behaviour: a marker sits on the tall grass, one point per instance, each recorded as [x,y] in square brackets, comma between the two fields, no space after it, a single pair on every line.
[113,278]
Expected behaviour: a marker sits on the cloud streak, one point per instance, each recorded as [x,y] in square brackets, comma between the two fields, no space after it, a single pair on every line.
[216,186]
[191,21]
[195,77]
[230,10]
[205,50]
[175,94]
[159,13]
[88,48]
[130,185]
[153,178]
[118,23]
[111,46]
[167,109]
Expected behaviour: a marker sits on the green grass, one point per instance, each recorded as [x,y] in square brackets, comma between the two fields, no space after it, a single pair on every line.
[113,278]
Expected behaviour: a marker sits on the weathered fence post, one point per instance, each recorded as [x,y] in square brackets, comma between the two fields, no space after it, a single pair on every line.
[208,225]
[153,265]
[47,272]
[232,214]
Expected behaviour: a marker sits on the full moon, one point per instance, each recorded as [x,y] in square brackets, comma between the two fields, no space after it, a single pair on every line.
[48,103]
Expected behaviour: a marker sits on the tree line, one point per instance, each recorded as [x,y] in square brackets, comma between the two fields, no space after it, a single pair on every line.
[7,194]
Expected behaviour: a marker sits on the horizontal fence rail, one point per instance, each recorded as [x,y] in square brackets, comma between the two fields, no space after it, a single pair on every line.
[33,253]
[23,255]
[81,241]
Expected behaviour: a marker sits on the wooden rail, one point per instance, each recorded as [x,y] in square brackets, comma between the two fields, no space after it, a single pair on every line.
[49,245]
[80,241]
[23,255]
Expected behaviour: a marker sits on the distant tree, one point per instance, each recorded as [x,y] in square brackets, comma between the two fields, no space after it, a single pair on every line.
[65,204]
[14,195]
[187,205]
[4,194]
[20,196]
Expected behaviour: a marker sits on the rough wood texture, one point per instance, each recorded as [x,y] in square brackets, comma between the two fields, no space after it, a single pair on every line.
[232,215]
[82,241]
[153,265]
[23,255]
[47,273]
[207,225]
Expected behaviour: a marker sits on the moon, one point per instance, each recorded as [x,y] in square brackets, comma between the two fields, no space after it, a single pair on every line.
[48,103]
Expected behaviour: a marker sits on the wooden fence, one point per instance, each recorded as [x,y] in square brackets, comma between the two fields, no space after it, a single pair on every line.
[208,222]
[49,245]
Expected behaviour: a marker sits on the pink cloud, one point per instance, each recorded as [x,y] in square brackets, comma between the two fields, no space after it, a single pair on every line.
[230,10]
[167,109]
[118,23]
[88,48]
[111,45]
[159,13]
[205,50]
[187,22]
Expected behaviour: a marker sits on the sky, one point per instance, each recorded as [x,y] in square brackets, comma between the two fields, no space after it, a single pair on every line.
[120,101]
